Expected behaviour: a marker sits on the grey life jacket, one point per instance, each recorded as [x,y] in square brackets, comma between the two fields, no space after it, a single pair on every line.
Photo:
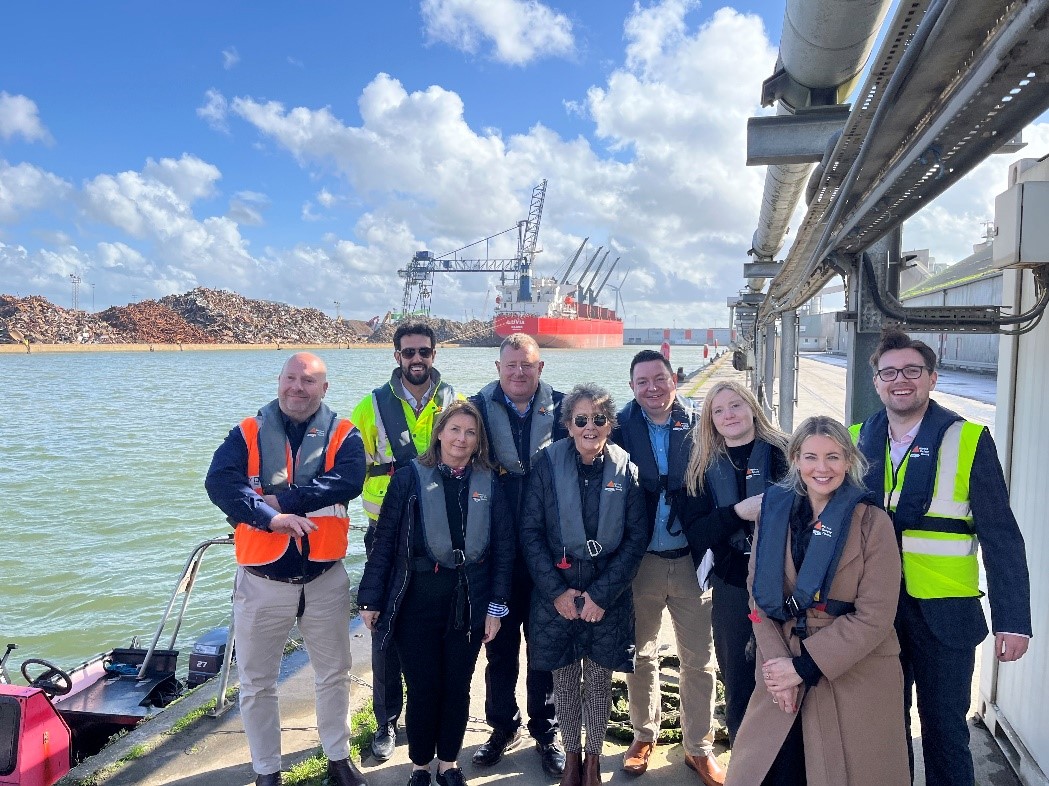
[390,410]
[501,437]
[612,512]
[274,448]
[436,532]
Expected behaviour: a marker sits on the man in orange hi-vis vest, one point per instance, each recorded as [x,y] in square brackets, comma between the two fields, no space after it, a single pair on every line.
[283,478]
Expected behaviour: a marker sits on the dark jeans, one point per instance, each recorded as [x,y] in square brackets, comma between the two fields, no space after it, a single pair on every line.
[500,675]
[387,692]
[730,606]
[438,665]
[941,677]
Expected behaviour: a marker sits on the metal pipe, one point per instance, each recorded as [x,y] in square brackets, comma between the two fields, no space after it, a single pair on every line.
[788,361]
[824,44]
[770,370]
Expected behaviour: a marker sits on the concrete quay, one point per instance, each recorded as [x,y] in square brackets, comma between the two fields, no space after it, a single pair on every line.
[213,751]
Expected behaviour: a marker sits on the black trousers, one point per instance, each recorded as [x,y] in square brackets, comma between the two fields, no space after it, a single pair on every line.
[788,769]
[732,628]
[500,675]
[941,677]
[387,692]
[438,665]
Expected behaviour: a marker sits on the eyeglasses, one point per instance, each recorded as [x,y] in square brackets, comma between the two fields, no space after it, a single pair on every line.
[581,420]
[890,374]
[409,352]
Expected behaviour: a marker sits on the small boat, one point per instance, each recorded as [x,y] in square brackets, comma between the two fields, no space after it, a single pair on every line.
[63,716]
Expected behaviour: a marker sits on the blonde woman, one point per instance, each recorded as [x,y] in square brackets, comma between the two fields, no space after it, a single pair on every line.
[736,454]
[825,581]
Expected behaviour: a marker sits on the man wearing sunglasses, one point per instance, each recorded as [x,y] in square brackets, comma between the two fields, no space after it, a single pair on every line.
[395,422]
[522,415]
[653,429]
[939,478]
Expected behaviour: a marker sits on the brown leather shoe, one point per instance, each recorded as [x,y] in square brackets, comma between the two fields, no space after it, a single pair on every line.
[635,760]
[707,768]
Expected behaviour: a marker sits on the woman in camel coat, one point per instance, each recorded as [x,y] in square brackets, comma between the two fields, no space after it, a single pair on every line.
[828,707]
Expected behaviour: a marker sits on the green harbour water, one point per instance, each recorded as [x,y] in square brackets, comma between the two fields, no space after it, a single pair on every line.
[104,455]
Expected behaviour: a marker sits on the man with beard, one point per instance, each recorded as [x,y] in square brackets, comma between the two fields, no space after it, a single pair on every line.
[395,422]
[654,430]
[522,415]
[939,477]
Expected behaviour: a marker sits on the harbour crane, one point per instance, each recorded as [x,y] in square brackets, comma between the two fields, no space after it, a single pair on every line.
[418,274]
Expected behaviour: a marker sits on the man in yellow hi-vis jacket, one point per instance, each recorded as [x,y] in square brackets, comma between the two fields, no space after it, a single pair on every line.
[939,478]
[395,421]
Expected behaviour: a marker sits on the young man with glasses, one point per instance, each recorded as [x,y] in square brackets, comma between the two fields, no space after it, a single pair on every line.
[522,415]
[654,429]
[939,478]
[395,421]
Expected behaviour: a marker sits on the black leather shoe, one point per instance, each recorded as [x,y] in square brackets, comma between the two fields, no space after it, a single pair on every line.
[499,743]
[451,777]
[343,773]
[553,758]
[269,779]
[384,741]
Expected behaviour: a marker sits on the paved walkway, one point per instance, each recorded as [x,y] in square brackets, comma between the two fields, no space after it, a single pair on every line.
[213,752]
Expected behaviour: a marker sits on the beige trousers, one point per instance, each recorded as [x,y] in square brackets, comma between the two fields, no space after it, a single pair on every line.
[672,584]
[263,615]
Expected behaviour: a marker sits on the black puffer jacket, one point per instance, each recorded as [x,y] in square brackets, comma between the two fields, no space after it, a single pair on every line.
[554,641]
[388,569]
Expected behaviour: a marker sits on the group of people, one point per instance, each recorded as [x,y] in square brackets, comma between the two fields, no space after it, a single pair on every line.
[827,574]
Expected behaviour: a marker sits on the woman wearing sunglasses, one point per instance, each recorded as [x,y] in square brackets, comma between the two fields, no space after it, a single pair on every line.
[583,533]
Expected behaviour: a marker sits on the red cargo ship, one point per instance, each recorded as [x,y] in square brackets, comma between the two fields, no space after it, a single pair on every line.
[538,307]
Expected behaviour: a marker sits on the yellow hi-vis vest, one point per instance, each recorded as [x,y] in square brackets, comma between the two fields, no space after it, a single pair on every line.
[937,538]
[378,448]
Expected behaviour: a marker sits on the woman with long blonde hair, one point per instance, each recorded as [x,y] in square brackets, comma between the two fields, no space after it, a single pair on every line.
[736,454]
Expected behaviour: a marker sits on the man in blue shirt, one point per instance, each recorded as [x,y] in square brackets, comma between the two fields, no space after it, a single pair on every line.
[654,429]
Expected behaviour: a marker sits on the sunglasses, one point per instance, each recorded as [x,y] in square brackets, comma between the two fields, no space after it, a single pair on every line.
[409,352]
[581,420]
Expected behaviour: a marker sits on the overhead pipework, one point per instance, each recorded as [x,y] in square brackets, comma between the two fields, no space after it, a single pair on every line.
[823,48]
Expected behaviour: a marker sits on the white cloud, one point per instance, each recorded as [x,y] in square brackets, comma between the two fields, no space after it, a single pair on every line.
[189,177]
[19,117]
[246,207]
[519,31]
[25,188]
[230,57]
[214,110]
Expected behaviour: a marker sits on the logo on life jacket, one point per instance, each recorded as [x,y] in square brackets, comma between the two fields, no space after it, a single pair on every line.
[477,496]
[315,432]
[613,486]
[753,473]
[680,426]
[919,452]
[819,528]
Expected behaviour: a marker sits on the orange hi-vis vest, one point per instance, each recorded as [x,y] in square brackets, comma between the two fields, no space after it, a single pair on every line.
[272,469]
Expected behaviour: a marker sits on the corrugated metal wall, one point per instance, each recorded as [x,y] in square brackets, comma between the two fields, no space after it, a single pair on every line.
[963,350]
[1013,695]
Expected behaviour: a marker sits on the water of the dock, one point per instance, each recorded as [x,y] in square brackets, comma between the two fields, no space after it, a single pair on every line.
[213,752]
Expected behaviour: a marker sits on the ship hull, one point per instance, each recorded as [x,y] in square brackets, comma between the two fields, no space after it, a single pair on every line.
[562,333]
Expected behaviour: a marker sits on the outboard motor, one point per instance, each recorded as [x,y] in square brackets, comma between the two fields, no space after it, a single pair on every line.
[35,741]
[206,659]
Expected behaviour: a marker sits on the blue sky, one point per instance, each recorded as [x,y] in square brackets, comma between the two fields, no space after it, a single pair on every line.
[303,151]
